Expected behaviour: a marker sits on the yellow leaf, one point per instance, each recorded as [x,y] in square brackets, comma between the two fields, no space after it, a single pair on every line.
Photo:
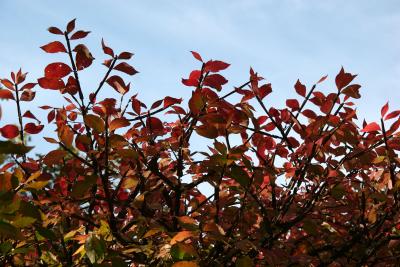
[185,264]
[151,232]
[38,185]
[181,236]
[33,176]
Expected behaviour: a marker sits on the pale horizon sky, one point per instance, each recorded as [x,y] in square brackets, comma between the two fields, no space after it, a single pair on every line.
[282,40]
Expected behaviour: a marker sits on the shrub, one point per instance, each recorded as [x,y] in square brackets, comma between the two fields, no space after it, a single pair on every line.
[298,185]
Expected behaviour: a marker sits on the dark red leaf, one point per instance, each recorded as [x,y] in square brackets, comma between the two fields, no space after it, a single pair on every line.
[197,56]
[118,84]
[136,105]
[293,104]
[79,35]
[371,127]
[215,66]
[156,104]
[28,86]
[343,79]
[300,88]
[126,68]
[125,55]
[55,30]
[215,81]
[9,131]
[169,101]
[57,70]
[154,125]
[54,47]
[107,50]
[83,57]
[54,84]
[6,94]
[32,128]
[27,95]
[71,87]
[51,115]
[29,114]
[71,26]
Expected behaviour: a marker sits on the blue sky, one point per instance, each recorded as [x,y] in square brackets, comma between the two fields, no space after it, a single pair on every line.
[282,40]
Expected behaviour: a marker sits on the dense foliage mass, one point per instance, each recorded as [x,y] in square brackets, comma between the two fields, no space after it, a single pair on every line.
[301,185]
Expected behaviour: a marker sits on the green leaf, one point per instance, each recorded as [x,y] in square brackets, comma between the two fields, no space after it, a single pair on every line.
[244,261]
[240,175]
[8,147]
[181,251]
[5,247]
[81,187]
[21,222]
[310,227]
[45,233]
[338,192]
[95,249]
[8,231]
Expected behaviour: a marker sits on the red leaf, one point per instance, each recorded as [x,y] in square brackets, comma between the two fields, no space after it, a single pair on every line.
[154,125]
[125,67]
[300,88]
[83,57]
[9,131]
[215,81]
[71,87]
[27,95]
[293,104]
[54,84]
[118,84]
[352,91]
[343,79]
[322,79]
[29,114]
[71,26]
[119,123]
[54,47]
[57,70]
[107,50]
[32,128]
[264,90]
[136,105]
[215,66]
[6,94]
[79,35]
[197,56]
[156,104]
[371,127]
[125,55]
[392,115]
[28,86]
[55,30]
[309,114]
[193,78]
[384,109]
[169,101]
[51,116]
[8,84]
